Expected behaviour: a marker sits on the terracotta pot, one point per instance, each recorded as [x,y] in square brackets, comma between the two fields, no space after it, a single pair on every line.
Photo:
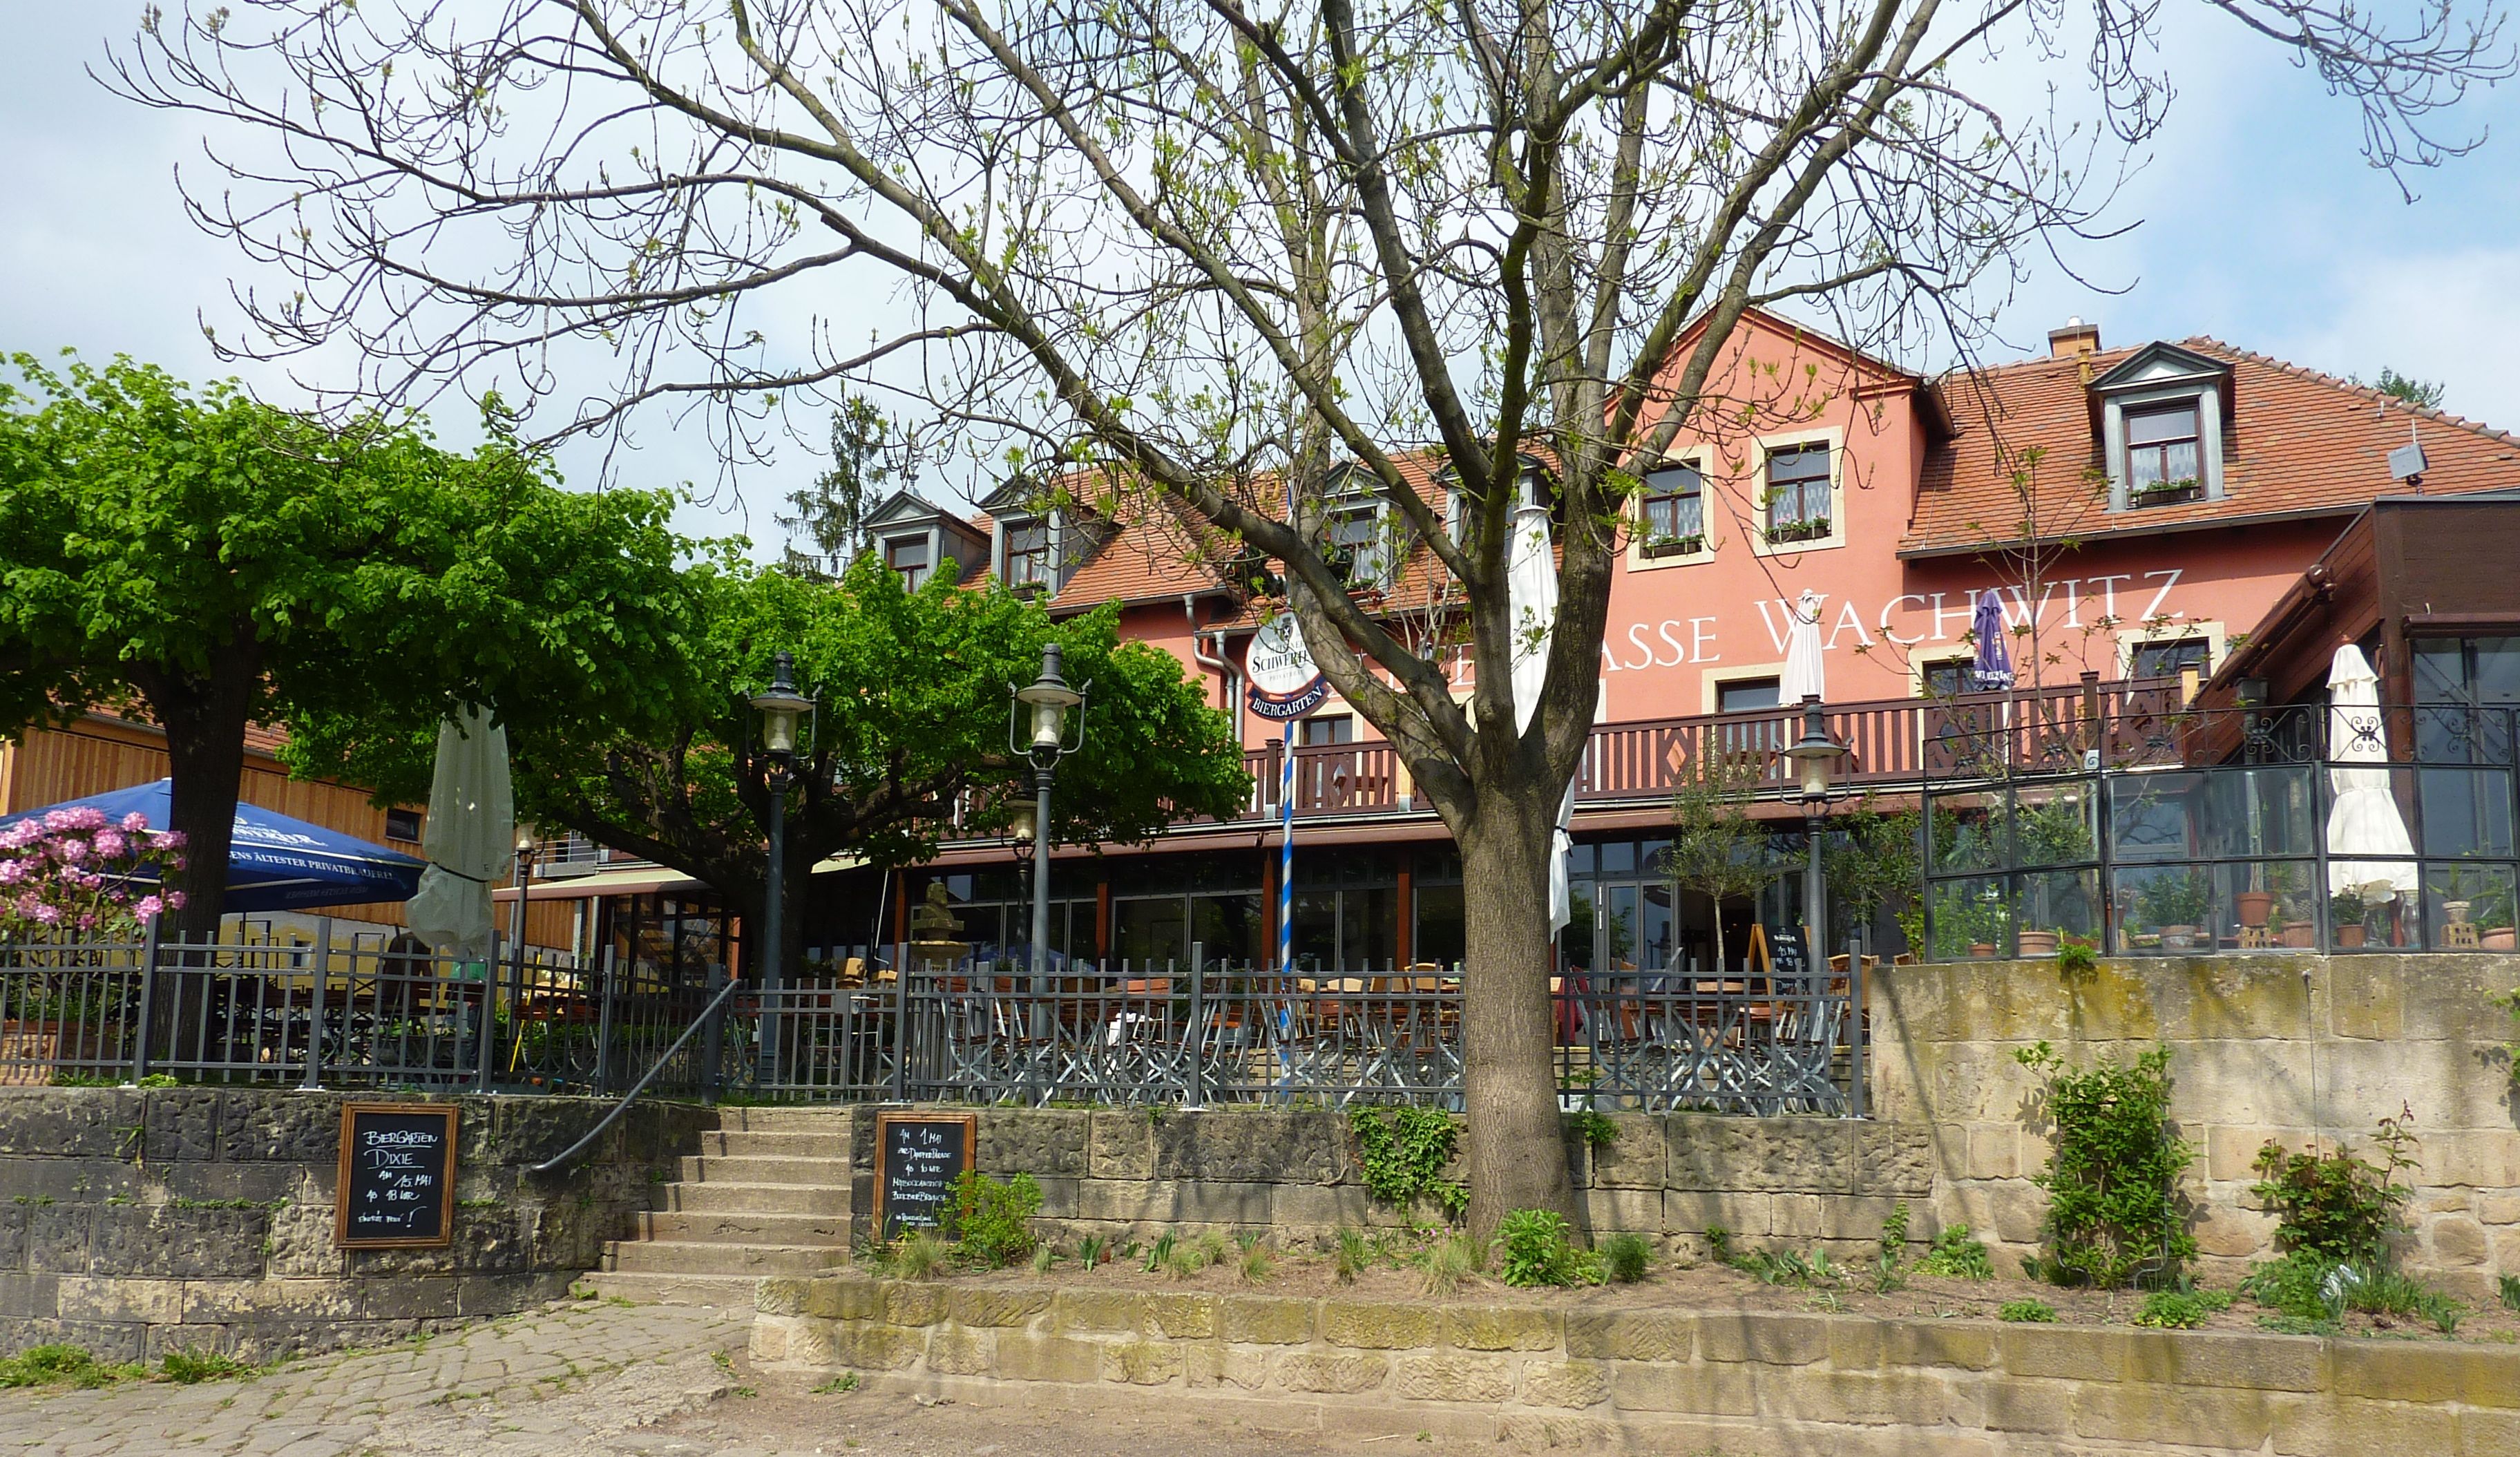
[2177,937]
[2255,907]
[2348,935]
[2298,934]
[1982,950]
[2039,942]
[2495,939]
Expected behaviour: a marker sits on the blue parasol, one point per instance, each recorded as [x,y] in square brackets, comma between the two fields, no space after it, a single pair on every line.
[274,862]
[1994,667]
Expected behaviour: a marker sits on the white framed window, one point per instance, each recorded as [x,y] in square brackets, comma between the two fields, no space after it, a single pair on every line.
[1028,564]
[1799,492]
[2163,411]
[1672,524]
[1527,494]
[912,557]
[1360,532]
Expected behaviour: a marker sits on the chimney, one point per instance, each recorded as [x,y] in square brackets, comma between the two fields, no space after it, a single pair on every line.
[2075,341]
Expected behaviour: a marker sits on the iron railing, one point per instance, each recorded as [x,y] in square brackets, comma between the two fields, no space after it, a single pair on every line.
[341,1011]
[2162,829]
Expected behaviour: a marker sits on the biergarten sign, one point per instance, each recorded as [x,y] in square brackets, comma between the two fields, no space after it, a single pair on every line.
[1286,682]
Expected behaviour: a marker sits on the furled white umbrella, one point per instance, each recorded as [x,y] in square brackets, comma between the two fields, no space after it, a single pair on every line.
[2363,824]
[471,835]
[1803,677]
[1531,598]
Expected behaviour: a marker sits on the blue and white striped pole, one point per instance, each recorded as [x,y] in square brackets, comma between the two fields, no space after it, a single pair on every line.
[1286,857]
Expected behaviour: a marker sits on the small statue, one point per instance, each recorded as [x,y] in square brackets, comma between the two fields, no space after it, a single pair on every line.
[932,920]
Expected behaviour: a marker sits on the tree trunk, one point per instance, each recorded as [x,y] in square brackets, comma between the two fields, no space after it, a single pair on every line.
[1518,1158]
[205,718]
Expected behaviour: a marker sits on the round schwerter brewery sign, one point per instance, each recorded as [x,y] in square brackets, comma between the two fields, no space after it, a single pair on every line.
[1284,682]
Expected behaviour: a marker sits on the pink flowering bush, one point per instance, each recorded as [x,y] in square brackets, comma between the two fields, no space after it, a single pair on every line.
[74,875]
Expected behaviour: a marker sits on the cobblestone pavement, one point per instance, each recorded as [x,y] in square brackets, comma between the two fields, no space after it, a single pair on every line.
[585,1381]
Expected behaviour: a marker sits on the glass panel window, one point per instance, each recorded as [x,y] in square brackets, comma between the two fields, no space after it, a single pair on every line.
[2168,659]
[1746,694]
[1028,555]
[1329,728]
[1151,932]
[908,554]
[1951,679]
[2162,453]
[1798,504]
[1441,937]
[1227,927]
[1674,512]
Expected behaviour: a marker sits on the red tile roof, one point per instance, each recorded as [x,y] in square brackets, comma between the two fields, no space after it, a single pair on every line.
[2298,442]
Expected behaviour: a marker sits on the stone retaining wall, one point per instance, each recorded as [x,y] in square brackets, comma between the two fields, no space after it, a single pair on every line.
[138,1220]
[1734,1382]
[2262,1046]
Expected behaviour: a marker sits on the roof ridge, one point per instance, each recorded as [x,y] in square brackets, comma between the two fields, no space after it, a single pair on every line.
[2367,392]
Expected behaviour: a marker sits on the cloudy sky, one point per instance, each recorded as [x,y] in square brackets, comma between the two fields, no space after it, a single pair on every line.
[2255,221]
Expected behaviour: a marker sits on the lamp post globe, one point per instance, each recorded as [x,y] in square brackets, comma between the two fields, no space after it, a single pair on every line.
[1038,729]
[1815,758]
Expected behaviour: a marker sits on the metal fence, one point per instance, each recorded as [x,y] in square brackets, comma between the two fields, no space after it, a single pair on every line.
[977,1032]
[345,1011]
[1210,1034]
[2179,832]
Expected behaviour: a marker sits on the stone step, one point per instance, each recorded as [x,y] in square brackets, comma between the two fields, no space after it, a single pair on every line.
[783,1117]
[724,1290]
[745,1227]
[750,1261]
[733,1198]
[779,1143]
[753,1168]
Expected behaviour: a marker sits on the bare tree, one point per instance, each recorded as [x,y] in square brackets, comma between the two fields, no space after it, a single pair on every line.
[1225,254]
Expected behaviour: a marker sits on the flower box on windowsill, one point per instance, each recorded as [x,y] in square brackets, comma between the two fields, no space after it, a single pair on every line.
[1813,529]
[1674,546]
[2175,493]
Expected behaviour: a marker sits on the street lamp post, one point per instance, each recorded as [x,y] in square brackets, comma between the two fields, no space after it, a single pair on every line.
[779,705]
[1815,755]
[1040,721]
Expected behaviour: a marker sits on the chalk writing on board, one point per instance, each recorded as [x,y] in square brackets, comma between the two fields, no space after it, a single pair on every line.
[918,1162]
[396,1168]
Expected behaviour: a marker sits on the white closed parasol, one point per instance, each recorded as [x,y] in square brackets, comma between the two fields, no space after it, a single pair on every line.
[2363,825]
[1804,676]
[1531,597]
[471,835]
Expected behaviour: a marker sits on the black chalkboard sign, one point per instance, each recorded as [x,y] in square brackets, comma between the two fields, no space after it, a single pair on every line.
[397,1175]
[917,1156]
[1785,949]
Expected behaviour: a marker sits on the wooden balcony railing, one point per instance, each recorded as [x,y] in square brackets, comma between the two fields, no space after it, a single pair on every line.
[1891,744]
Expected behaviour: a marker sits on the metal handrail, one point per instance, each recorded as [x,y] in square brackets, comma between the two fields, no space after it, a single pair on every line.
[715,1004]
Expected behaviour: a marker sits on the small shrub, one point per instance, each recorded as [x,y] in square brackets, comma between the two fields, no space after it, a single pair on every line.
[1256,1264]
[1093,1249]
[2075,962]
[1043,1258]
[1956,1255]
[57,1364]
[1625,1258]
[2113,1210]
[2170,1310]
[1160,1252]
[1353,1256]
[993,1221]
[1888,1271]
[1404,1158]
[1450,1263]
[1212,1247]
[2336,1205]
[190,1367]
[838,1386]
[1599,1131]
[2510,1288]
[2037,1312]
[917,1256]
[1535,1250]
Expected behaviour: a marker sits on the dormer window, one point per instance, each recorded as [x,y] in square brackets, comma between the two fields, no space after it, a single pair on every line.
[1526,493]
[1353,538]
[1672,511]
[908,554]
[2162,449]
[2161,415]
[1028,554]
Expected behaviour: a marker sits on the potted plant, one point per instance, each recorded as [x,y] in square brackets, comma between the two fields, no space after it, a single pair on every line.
[2040,942]
[2494,928]
[2345,912]
[2256,908]
[2178,902]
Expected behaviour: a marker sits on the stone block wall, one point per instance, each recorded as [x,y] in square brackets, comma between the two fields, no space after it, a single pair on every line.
[138,1220]
[2295,1048]
[1583,1372]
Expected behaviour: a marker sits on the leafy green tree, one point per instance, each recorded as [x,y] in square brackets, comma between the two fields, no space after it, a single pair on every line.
[208,561]
[1716,848]
[2424,393]
[912,700]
